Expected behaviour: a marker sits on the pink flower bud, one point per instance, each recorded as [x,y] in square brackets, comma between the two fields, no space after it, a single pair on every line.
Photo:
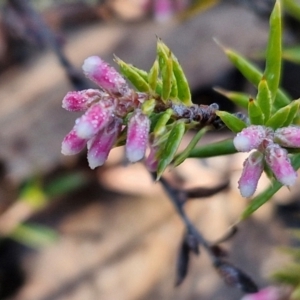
[151,161]
[105,76]
[280,164]
[250,138]
[78,101]
[253,168]
[269,293]
[72,143]
[96,118]
[288,136]
[163,10]
[137,136]
[100,145]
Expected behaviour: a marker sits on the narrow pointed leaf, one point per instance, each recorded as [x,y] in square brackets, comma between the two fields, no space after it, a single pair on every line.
[131,73]
[171,147]
[293,112]
[255,114]
[264,99]
[292,7]
[153,76]
[161,123]
[148,106]
[279,118]
[181,157]
[224,147]
[231,121]
[273,58]
[174,88]
[292,54]
[240,99]
[253,74]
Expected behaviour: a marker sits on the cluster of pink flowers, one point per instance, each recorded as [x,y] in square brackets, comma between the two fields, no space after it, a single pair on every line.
[268,145]
[105,111]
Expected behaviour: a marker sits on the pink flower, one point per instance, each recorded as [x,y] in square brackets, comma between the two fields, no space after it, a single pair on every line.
[72,143]
[268,293]
[95,119]
[100,145]
[151,161]
[288,136]
[250,138]
[137,136]
[253,168]
[78,101]
[280,164]
[105,76]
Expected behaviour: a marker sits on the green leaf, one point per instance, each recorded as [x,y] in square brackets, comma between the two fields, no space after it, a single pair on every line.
[153,75]
[273,58]
[148,106]
[161,123]
[279,118]
[253,74]
[289,275]
[171,147]
[231,121]
[134,76]
[181,157]
[264,99]
[255,114]
[292,54]
[34,236]
[224,147]
[294,109]
[292,7]
[240,99]
[174,88]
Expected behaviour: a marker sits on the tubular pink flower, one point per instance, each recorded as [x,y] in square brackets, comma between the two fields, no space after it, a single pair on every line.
[280,164]
[96,118]
[100,145]
[105,76]
[72,143]
[137,136]
[151,161]
[253,168]
[288,136]
[268,293]
[250,138]
[78,101]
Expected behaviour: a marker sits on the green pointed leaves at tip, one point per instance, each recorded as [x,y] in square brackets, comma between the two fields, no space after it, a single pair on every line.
[294,109]
[179,88]
[231,121]
[273,58]
[181,157]
[137,77]
[171,146]
[153,76]
[264,99]
[279,118]
[160,126]
[240,99]
[255,114]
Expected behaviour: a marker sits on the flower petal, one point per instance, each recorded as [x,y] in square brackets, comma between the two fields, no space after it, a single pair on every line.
[72,143]
[280,164]
[137,136]
[105,76]
[288,136]
[100,146]
[253,168]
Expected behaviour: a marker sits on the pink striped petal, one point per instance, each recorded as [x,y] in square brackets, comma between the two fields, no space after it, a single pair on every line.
[288,136]
[105,76]
[100,146]
[78,101]
[137,136]
[96,118]
[72,143]
[280,164]
[253,168]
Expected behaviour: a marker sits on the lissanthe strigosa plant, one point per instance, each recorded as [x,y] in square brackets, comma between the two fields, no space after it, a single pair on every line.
[157,112]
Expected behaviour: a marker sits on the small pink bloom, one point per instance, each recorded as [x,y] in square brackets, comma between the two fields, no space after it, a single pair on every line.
[269,293]
[250,138]
[105,76]
[280,164]
[96,118]
[100,145]
[151,161]
[137,136]
[288,136]
[78,101]
[72,143]
[253,168]
[163,10]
